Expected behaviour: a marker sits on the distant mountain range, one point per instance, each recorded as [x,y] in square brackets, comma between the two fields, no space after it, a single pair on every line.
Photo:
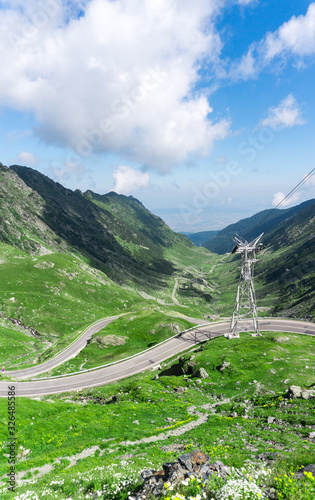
[265,222]
[201,238]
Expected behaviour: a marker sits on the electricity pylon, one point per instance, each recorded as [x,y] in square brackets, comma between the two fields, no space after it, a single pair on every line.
[245,316]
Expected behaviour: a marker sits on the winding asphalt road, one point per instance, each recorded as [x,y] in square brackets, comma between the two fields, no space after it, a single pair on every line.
[136,364]
[69,352]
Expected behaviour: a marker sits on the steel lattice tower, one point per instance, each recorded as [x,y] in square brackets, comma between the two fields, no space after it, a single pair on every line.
[245,316]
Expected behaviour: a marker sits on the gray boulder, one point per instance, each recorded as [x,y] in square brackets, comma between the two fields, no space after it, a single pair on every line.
[180,389]
[200,373]
[294,391]
[308,468]
[224,366]
[307,394]
[195,463]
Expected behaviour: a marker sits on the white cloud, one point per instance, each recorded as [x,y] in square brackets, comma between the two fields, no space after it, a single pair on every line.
[297,36]
[227,202]
[286,115]
[62,172]
[27,159]
[310,181]
[128,180]
[246,2]
[279,196]
[305,191]
[309,185]
[118,79]
[293,39]
[245,68]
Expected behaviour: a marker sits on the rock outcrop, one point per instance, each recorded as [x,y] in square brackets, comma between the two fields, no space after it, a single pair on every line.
[195,463]
[200,373]
[295,391]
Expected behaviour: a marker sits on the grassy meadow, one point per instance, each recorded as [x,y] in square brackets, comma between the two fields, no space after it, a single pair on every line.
[124,337]
[57,295]
[102,438]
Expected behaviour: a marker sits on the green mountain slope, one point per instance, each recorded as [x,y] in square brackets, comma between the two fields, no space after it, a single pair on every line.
[139,231]
[88,441]
[68,259]
[116,233]
[284,272]
[288,266]
[251,227]
[22,220]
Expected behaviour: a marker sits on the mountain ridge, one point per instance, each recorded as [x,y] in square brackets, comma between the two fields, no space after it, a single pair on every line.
[75,220]
[117,235]
[250,227]
[201,237]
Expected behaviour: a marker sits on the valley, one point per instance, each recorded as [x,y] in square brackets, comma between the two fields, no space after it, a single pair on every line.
[88,280]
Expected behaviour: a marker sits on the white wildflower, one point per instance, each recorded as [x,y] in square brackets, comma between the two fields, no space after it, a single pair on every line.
[240,489]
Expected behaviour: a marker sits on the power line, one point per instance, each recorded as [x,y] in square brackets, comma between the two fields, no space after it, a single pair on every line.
[300,184]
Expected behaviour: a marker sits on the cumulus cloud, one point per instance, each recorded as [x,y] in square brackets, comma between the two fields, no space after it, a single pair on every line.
[27,158]
[293,39]
[245,68]
[114,77]
[279,196]
[67,170]
[128,180]
[286,115]
[297,36]
[305,190]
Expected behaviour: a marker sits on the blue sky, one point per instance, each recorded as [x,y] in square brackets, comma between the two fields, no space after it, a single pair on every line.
[202,110]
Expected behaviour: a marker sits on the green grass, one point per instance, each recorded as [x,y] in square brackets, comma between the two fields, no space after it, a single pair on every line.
[56,294]
[125,337]
[253,385]
[59,294]
[184,256]
[15,344]
[194,268]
